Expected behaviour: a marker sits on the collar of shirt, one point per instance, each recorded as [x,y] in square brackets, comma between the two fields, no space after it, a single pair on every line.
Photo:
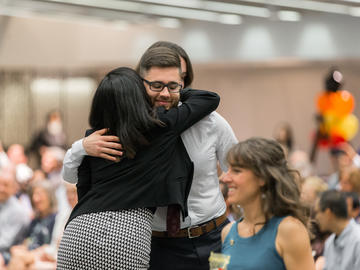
[342,239]
[3,204]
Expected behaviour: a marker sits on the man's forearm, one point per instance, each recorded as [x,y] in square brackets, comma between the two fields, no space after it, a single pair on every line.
[72,161]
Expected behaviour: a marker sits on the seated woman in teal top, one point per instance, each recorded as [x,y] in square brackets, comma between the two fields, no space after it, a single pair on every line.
[272,233]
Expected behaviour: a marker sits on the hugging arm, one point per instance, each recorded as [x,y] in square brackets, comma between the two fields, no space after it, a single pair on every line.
[196,104]
[96,144]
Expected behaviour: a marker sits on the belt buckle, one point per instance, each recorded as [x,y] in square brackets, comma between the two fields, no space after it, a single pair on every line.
[189,231]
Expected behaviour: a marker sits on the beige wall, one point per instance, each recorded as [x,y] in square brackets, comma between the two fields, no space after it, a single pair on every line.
[255,98]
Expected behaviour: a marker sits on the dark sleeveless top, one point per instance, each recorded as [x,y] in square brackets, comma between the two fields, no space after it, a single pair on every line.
[257,252]
[159,175]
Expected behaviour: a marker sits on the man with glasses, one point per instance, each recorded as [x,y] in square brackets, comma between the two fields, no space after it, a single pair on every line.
[158,87]
[207,143]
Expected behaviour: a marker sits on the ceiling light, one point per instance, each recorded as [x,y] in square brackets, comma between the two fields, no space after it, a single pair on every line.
[289,15]
[215,6]
[230,19]
[306,4]
[354,11]
[352,1]
[182,3]
[237,9]
[166,11]
[169,23]
[120,25]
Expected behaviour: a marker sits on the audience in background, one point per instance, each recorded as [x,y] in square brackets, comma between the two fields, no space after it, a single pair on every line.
[40,231]
[4,160]
[342,163]
[16,155]
[51,164]
[28,212]
[353,204]
[13,217]
[300,161]
[350,182]
[283,134]
[342,248]
[51,135]
[311,188]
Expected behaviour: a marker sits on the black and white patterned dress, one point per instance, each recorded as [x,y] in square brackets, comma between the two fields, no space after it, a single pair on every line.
[107,240]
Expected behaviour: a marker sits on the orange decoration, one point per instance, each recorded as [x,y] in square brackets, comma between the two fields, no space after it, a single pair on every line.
[323,102]
[342,103]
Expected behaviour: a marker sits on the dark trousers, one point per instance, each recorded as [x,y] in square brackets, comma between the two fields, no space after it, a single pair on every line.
[185,253]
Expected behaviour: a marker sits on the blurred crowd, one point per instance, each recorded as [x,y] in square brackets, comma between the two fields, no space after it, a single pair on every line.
[35,202]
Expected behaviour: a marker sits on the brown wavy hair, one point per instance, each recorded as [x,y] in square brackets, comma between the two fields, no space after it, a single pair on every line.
[281,192]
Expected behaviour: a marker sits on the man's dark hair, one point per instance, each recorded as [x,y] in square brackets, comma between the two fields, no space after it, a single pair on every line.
[158,57]
[189,77]
[355,199]
[121,104]
[336,201]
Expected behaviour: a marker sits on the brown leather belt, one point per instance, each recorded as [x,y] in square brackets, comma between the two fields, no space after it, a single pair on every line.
[194,231]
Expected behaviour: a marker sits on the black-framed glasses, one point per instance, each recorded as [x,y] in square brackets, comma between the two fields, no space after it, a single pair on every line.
[173,87]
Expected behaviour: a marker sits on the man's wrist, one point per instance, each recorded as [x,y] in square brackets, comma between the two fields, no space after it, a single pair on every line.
[79,148]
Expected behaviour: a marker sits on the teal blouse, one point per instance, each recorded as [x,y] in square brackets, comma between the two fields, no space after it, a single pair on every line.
[257,252]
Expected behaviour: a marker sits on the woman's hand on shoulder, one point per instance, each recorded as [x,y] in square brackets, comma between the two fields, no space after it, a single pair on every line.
[293,245]
[225,231]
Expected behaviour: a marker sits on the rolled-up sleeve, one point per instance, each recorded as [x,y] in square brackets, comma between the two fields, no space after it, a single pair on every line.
[72,161]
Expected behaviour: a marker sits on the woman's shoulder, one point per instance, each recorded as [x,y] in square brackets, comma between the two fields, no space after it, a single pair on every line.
[225,231]
[292,235]
[290,225]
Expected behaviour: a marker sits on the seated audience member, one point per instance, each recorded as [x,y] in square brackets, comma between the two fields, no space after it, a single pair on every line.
[342,163]
[300,161]
[24,174]
[51,164]
[283,134]
[13,218]
[63,216]
[342,248]
[353,203]
[38,175]
[51,135]
[351,181]
[311,188]
[39,233]
[4,160]
[16,155]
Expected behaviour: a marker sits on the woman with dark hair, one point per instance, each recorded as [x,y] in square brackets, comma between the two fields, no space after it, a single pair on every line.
[110,227]
[272,234]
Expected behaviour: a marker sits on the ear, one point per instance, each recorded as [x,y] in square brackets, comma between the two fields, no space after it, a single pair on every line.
[261,182]
[328,212]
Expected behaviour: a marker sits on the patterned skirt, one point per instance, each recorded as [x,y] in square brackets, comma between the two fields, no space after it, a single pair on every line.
[107,240]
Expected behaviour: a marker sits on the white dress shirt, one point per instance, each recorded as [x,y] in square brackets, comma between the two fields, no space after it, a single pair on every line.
[206,142]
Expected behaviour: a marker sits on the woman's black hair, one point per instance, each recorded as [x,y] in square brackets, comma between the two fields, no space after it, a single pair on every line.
[122,105]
